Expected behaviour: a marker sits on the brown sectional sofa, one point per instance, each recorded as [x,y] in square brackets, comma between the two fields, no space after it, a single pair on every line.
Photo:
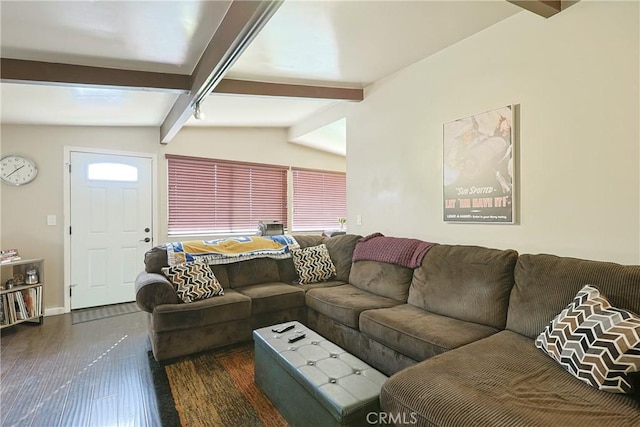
[456,334]
[393,316]
[504,379]
[257,293]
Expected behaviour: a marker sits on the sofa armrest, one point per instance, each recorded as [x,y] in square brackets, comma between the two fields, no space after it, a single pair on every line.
[153,289]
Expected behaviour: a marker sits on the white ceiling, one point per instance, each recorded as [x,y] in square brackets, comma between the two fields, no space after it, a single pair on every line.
[164,36]
[356,43]
[324,43]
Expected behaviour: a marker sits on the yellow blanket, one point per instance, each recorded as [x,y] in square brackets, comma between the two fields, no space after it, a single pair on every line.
[231,249]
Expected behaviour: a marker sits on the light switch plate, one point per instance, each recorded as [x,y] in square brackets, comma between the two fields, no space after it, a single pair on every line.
[51,220]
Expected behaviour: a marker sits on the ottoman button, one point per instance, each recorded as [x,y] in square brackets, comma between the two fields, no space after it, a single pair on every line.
[333,381]
[314,342]
[311,363]
[333,355]
[292,348]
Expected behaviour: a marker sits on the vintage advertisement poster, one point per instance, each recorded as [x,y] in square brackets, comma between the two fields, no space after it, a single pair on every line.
[478,168]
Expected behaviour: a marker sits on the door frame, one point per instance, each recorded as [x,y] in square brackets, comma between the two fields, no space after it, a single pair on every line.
[67,204]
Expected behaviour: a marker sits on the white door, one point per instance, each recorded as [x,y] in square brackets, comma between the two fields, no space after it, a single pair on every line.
[111,226]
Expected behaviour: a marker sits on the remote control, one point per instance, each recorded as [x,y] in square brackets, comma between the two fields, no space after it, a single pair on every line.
[296,337]
[283,328]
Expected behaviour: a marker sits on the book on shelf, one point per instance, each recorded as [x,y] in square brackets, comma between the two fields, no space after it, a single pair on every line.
[11,308]
[9,255]
[28,301]
[21,311]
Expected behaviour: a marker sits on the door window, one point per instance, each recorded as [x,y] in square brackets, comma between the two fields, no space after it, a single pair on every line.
[112,172]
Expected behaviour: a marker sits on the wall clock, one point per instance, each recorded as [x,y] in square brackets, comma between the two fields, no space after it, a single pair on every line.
[17,170]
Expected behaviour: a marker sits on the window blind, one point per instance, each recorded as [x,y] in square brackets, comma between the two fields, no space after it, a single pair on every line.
[319,198]
[208,196]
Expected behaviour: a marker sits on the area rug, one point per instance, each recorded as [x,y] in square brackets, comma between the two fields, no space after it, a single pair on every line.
[213,389]
[95,313]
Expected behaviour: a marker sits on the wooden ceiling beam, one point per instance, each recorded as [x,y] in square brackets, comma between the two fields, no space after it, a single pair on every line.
[37,72]
[246,87]
[242,22]
[22,71]
[544,8]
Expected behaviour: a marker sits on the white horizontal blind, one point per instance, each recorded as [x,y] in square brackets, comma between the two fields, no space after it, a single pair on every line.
[208,196]
[319,198]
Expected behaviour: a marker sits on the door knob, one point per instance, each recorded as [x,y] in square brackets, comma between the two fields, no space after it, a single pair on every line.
[146,240]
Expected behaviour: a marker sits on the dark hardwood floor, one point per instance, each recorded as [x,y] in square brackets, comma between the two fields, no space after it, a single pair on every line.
[89,374]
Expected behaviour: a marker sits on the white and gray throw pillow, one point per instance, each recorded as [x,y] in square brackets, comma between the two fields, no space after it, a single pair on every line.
[595,342]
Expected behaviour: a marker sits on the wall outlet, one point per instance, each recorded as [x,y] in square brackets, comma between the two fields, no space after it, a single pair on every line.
[358,219]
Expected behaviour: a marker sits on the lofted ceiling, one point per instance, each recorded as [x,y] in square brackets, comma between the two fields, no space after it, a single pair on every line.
[315,55]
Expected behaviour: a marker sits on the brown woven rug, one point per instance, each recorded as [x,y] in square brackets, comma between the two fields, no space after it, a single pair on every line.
[215,389]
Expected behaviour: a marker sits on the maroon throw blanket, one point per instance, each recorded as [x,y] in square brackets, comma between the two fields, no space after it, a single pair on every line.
[393,250]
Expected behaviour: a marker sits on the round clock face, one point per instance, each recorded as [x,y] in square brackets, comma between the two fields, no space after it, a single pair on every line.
[17,170]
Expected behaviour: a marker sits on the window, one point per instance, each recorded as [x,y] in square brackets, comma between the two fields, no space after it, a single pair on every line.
[112,172]
[319,199]
[208,196]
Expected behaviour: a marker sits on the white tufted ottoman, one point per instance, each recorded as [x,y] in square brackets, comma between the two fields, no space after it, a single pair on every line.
[313,382]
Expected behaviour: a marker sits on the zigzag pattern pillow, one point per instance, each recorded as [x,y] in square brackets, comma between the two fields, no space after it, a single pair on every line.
[313,264]
[597,343]
[193,281]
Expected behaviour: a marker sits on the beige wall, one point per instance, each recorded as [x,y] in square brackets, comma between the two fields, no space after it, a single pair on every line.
[24,209]
[575,77]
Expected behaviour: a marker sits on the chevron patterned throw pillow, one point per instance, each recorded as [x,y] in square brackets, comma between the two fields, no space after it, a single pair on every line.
[193,281]
[313,264]
[597,343]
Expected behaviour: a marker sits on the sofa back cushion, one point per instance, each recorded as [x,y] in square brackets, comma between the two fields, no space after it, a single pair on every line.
[381,278]
[308,240]
[155,259]
[469,283]
[341,252]
[253,272]
[546,284]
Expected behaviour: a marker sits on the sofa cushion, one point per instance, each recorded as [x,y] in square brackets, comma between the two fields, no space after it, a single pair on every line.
[546,284]
[307,240]
[595,342]
[220,271]
[417,333]
[341,252]
[193,281]
[345,303]
[380,278]
[502,380]
[479,279]
[227,307]
[327,284]
[252,272]
[313,264]
[155,259]
[287,271]
[273,296]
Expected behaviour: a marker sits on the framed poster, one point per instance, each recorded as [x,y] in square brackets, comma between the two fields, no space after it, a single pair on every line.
[478,168]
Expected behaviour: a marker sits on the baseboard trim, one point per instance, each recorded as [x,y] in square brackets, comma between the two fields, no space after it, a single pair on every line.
[54,311]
